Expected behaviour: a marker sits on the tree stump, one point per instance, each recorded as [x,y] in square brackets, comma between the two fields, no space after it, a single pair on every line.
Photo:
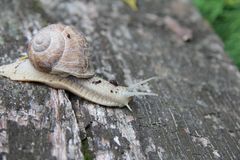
[195,116]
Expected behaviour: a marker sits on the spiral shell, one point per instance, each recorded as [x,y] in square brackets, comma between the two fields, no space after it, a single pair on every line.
[60,49]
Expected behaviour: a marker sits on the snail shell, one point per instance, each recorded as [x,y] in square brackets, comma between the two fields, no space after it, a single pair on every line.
[60,49]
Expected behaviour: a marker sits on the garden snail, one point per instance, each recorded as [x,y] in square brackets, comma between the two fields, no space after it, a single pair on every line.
[66,66]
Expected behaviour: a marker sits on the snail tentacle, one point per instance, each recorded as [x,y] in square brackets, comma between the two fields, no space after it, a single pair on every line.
[137,85]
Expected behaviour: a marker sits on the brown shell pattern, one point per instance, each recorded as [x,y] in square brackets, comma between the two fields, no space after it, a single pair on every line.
[60,49]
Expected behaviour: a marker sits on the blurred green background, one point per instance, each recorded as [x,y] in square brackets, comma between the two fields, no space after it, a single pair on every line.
[224,16]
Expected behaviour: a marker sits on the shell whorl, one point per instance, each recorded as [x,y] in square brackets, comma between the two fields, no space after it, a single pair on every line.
[41,42]
[46,48]
[60,49]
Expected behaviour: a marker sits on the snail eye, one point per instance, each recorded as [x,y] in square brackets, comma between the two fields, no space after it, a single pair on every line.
[68,35]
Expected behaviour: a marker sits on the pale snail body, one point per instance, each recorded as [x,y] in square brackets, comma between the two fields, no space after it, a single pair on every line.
[90,87]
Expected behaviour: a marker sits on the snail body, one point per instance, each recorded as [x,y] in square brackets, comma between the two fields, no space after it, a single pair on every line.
[46,66]
[94,89]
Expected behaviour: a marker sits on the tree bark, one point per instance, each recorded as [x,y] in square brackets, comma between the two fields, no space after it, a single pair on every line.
[195,116]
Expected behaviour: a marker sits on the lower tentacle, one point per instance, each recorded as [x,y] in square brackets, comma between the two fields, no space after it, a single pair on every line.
[133,93]
[131,90]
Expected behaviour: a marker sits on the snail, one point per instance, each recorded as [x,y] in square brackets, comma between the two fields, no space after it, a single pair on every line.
[58,57]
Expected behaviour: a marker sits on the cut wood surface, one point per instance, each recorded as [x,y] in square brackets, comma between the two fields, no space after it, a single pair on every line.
[195,116]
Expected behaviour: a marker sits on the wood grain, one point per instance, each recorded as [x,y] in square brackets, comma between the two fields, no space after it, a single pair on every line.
[196,115]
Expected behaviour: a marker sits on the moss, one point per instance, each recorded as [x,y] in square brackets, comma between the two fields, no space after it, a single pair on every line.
[224,17]
[85,150]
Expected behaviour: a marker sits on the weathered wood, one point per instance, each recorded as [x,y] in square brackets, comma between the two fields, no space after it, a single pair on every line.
[195,116]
